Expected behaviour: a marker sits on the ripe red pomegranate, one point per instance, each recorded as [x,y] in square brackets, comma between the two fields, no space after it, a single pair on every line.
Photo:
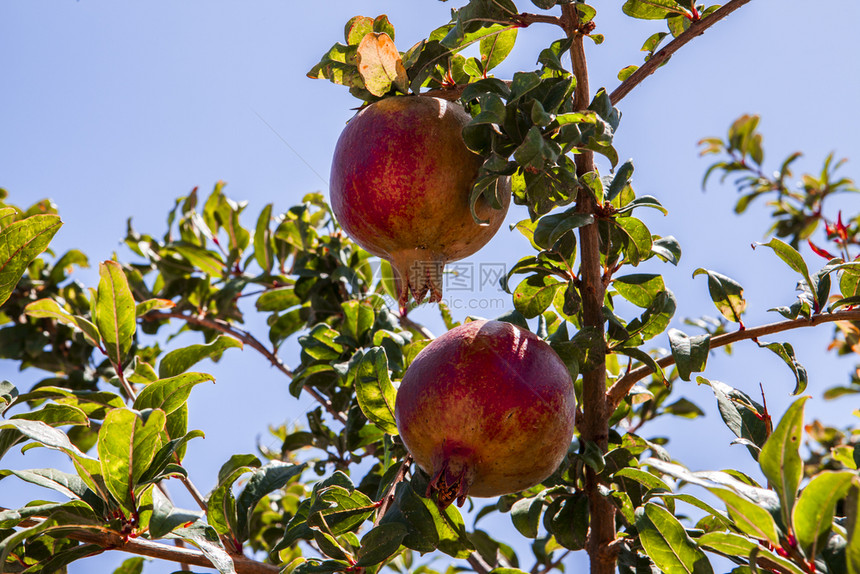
[486,409]
[401,178]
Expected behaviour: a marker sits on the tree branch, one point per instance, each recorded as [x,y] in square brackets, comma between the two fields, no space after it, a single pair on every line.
[248,339]
[594,426]
[385,502]
[622,386]
[697,28]
[526,19]
[110,540]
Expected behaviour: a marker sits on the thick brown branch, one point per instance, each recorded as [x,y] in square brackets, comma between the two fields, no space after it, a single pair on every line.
[594,426]
[248,339]
[622,386]
[696,29]
[110,540]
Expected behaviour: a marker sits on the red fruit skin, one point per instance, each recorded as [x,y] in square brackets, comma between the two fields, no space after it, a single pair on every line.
[487,405]
[401,179]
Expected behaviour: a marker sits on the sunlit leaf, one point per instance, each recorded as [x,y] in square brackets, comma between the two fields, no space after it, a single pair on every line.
[780,457]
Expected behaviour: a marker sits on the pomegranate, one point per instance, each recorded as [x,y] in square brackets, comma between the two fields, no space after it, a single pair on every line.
[486,409]
[401,178]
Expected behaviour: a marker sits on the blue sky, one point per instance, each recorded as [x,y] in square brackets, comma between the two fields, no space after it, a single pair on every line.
[113,109]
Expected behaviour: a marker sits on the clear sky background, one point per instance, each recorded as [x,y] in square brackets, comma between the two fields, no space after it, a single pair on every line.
[113,109]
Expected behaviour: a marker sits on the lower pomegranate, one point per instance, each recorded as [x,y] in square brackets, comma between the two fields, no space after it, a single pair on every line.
[486,409]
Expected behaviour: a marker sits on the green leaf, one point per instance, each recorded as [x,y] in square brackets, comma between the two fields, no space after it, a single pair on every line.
[692,500]
[206,539]
[626,72]
[668,544]
[639,242]
[852,513]
[667,248]
[640,289]
[643,357]
[348,509]
[726,293]
[70,485]
[525,514]
[652,9]
[645,478]
[493,110]
[644,201]
[238,465]
[126,448]
[380,65]
[656,317]
[566,519]
[20,243]
[374,391]
[145,307]
[786,352]
[535,151]
[115,311]
[550,228]
[180,360]
[813,513]
[166,518]
[8,394]
[732,544]
[780,457]
[206,261]
[263,251]
[356,29]
[50,309]
[690,353]
[278,299]
[748,516]
[88,468]
[684,408]
[743,416]
[358,318]
[794,260]
[267,479]
[380,543]
[169,454]
[131,566]
[429,527]
[56,415]
[535,293]
[496,47]
[169,394]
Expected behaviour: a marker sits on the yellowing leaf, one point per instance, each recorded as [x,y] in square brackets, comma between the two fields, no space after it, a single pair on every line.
[380,65]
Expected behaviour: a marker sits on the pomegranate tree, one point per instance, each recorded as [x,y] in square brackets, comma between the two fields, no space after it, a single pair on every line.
[486,409]
[401,181]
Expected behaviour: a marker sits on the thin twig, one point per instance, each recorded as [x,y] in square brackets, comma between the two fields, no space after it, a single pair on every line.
[385,501]
[408,323]
[195,494]
[696,28]
[551,566]
[622,386]
[248,339]
[477,563]
[110,540]
[527,19]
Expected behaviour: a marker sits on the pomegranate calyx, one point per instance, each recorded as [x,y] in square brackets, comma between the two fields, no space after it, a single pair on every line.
[419,271]
[452,480]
